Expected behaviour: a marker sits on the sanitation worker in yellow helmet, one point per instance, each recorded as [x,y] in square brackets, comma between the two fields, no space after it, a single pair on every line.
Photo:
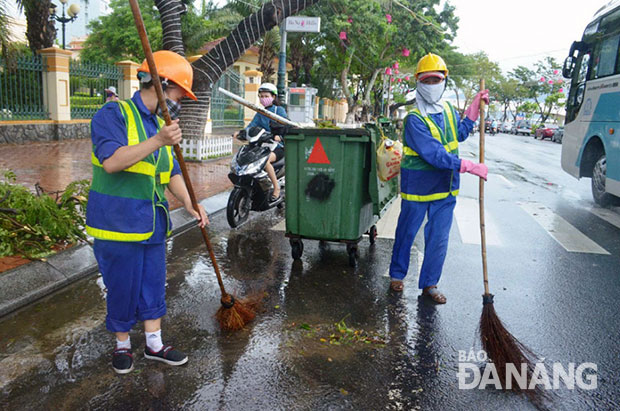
[430,175]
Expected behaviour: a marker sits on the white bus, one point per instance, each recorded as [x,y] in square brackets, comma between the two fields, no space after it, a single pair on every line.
[591,142]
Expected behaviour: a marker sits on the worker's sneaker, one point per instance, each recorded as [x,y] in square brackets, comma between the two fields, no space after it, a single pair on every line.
[122,360]
[167,354]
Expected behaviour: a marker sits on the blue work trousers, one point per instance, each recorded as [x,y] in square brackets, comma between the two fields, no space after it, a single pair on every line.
[436,234]
[135,275]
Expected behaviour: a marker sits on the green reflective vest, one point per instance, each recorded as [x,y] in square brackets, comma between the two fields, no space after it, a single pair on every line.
[121,206]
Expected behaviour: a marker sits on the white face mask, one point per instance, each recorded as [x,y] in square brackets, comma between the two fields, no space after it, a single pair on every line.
[428,97]
[431,93]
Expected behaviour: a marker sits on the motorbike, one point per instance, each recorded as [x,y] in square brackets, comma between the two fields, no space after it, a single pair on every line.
[253,187]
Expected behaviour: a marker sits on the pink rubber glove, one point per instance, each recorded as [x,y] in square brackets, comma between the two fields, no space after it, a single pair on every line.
[473,111]
[477,169]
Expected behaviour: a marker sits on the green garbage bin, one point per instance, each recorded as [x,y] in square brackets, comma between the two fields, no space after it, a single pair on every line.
[332,189]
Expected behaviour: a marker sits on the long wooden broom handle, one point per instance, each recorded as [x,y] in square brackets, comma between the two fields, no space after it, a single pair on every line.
[483,237]
[146,46]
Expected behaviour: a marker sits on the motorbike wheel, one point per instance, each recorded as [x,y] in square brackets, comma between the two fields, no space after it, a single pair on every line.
[238,207]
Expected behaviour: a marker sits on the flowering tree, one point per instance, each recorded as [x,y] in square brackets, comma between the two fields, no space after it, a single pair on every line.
[209,68]
[361,39]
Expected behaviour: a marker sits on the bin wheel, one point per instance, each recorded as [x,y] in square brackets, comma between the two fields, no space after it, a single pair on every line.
[297,249]
[372,234]
[352,251]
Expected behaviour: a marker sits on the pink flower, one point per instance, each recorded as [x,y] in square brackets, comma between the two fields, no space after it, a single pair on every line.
[400,80]
[555,72]
[389,18]
[561,90]
[396,71]
[395,65]
[350,20]
[406,78]
[343,35]
[406,52]
[542,79]
[392,79]
[388,71]
[550,81]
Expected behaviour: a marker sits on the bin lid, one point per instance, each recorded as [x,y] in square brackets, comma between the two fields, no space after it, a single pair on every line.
[353,132]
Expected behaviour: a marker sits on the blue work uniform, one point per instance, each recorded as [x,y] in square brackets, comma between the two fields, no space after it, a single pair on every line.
[134,273]
[428,189]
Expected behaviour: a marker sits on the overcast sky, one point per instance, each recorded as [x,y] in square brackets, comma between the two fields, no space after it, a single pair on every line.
[514,33]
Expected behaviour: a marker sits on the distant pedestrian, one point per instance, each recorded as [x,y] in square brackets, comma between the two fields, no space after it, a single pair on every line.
[111,94]
[430,175]
[127,211]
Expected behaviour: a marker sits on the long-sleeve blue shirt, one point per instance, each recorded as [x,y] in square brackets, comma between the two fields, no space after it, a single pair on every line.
[445,177]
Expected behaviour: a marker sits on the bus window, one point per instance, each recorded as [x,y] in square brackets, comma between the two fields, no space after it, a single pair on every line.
[606,55]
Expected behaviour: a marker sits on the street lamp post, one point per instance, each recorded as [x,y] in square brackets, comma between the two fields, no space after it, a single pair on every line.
[72,12]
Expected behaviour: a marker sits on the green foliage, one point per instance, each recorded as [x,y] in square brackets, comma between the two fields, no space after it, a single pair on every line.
[372,43]
[32,224]
[115,38]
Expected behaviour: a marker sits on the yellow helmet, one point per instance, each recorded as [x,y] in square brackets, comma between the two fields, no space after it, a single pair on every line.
[431,62]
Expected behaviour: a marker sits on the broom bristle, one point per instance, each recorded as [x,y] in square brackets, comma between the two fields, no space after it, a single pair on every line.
[236,317]
[503,348]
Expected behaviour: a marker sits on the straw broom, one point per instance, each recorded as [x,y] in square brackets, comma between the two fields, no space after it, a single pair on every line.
[233,314]
[501,346]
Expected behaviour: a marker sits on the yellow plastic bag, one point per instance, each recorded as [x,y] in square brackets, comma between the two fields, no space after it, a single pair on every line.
[389,154]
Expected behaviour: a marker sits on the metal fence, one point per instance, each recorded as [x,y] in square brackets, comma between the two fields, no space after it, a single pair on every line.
[88,82]
[21,89]
[224,111]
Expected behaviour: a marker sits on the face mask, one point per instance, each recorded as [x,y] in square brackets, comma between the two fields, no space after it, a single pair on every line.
[266,101]
[174,109]
[110,94]
[431,93]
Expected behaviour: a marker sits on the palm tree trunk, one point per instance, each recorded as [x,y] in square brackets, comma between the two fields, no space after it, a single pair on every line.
[209,68]
[40,32]
[170,12]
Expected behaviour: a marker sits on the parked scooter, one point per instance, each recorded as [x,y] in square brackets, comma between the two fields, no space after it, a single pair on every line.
[253,188]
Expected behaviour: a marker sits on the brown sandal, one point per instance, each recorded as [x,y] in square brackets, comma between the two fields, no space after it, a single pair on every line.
[397,286]
[434,294]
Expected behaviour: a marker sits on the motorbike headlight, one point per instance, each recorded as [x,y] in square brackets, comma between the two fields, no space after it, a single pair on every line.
[251,168]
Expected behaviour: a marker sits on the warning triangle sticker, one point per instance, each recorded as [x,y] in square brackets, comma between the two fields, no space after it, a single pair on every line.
[318,155]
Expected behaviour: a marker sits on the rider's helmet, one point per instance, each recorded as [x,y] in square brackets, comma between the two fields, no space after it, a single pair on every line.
[268,87]
[172,67]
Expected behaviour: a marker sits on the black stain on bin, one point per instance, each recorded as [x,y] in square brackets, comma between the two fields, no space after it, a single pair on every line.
[320,187]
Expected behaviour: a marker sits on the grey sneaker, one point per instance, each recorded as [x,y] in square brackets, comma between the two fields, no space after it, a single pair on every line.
[167,354]
[122,360]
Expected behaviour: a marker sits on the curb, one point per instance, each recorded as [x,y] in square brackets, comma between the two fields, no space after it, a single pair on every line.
[30,282]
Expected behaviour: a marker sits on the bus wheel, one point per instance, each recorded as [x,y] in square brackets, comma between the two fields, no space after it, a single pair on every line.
[599,172]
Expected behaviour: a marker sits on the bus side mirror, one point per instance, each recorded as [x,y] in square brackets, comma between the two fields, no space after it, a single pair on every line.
[567,69]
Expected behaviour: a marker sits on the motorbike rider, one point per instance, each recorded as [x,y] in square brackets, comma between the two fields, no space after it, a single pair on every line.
[268,97]
[494,126]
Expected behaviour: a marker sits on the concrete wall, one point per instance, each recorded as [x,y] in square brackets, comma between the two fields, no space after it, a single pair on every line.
[41,131]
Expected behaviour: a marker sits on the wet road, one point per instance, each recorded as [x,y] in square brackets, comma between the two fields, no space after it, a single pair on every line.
[333,337]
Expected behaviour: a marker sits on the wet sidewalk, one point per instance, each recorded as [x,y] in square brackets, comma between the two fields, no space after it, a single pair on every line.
[56,164]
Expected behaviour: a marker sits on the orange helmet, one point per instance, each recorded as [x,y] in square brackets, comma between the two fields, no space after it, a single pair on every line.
[173,67]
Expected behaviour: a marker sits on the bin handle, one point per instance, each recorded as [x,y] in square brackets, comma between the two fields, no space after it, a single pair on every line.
[360,139]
